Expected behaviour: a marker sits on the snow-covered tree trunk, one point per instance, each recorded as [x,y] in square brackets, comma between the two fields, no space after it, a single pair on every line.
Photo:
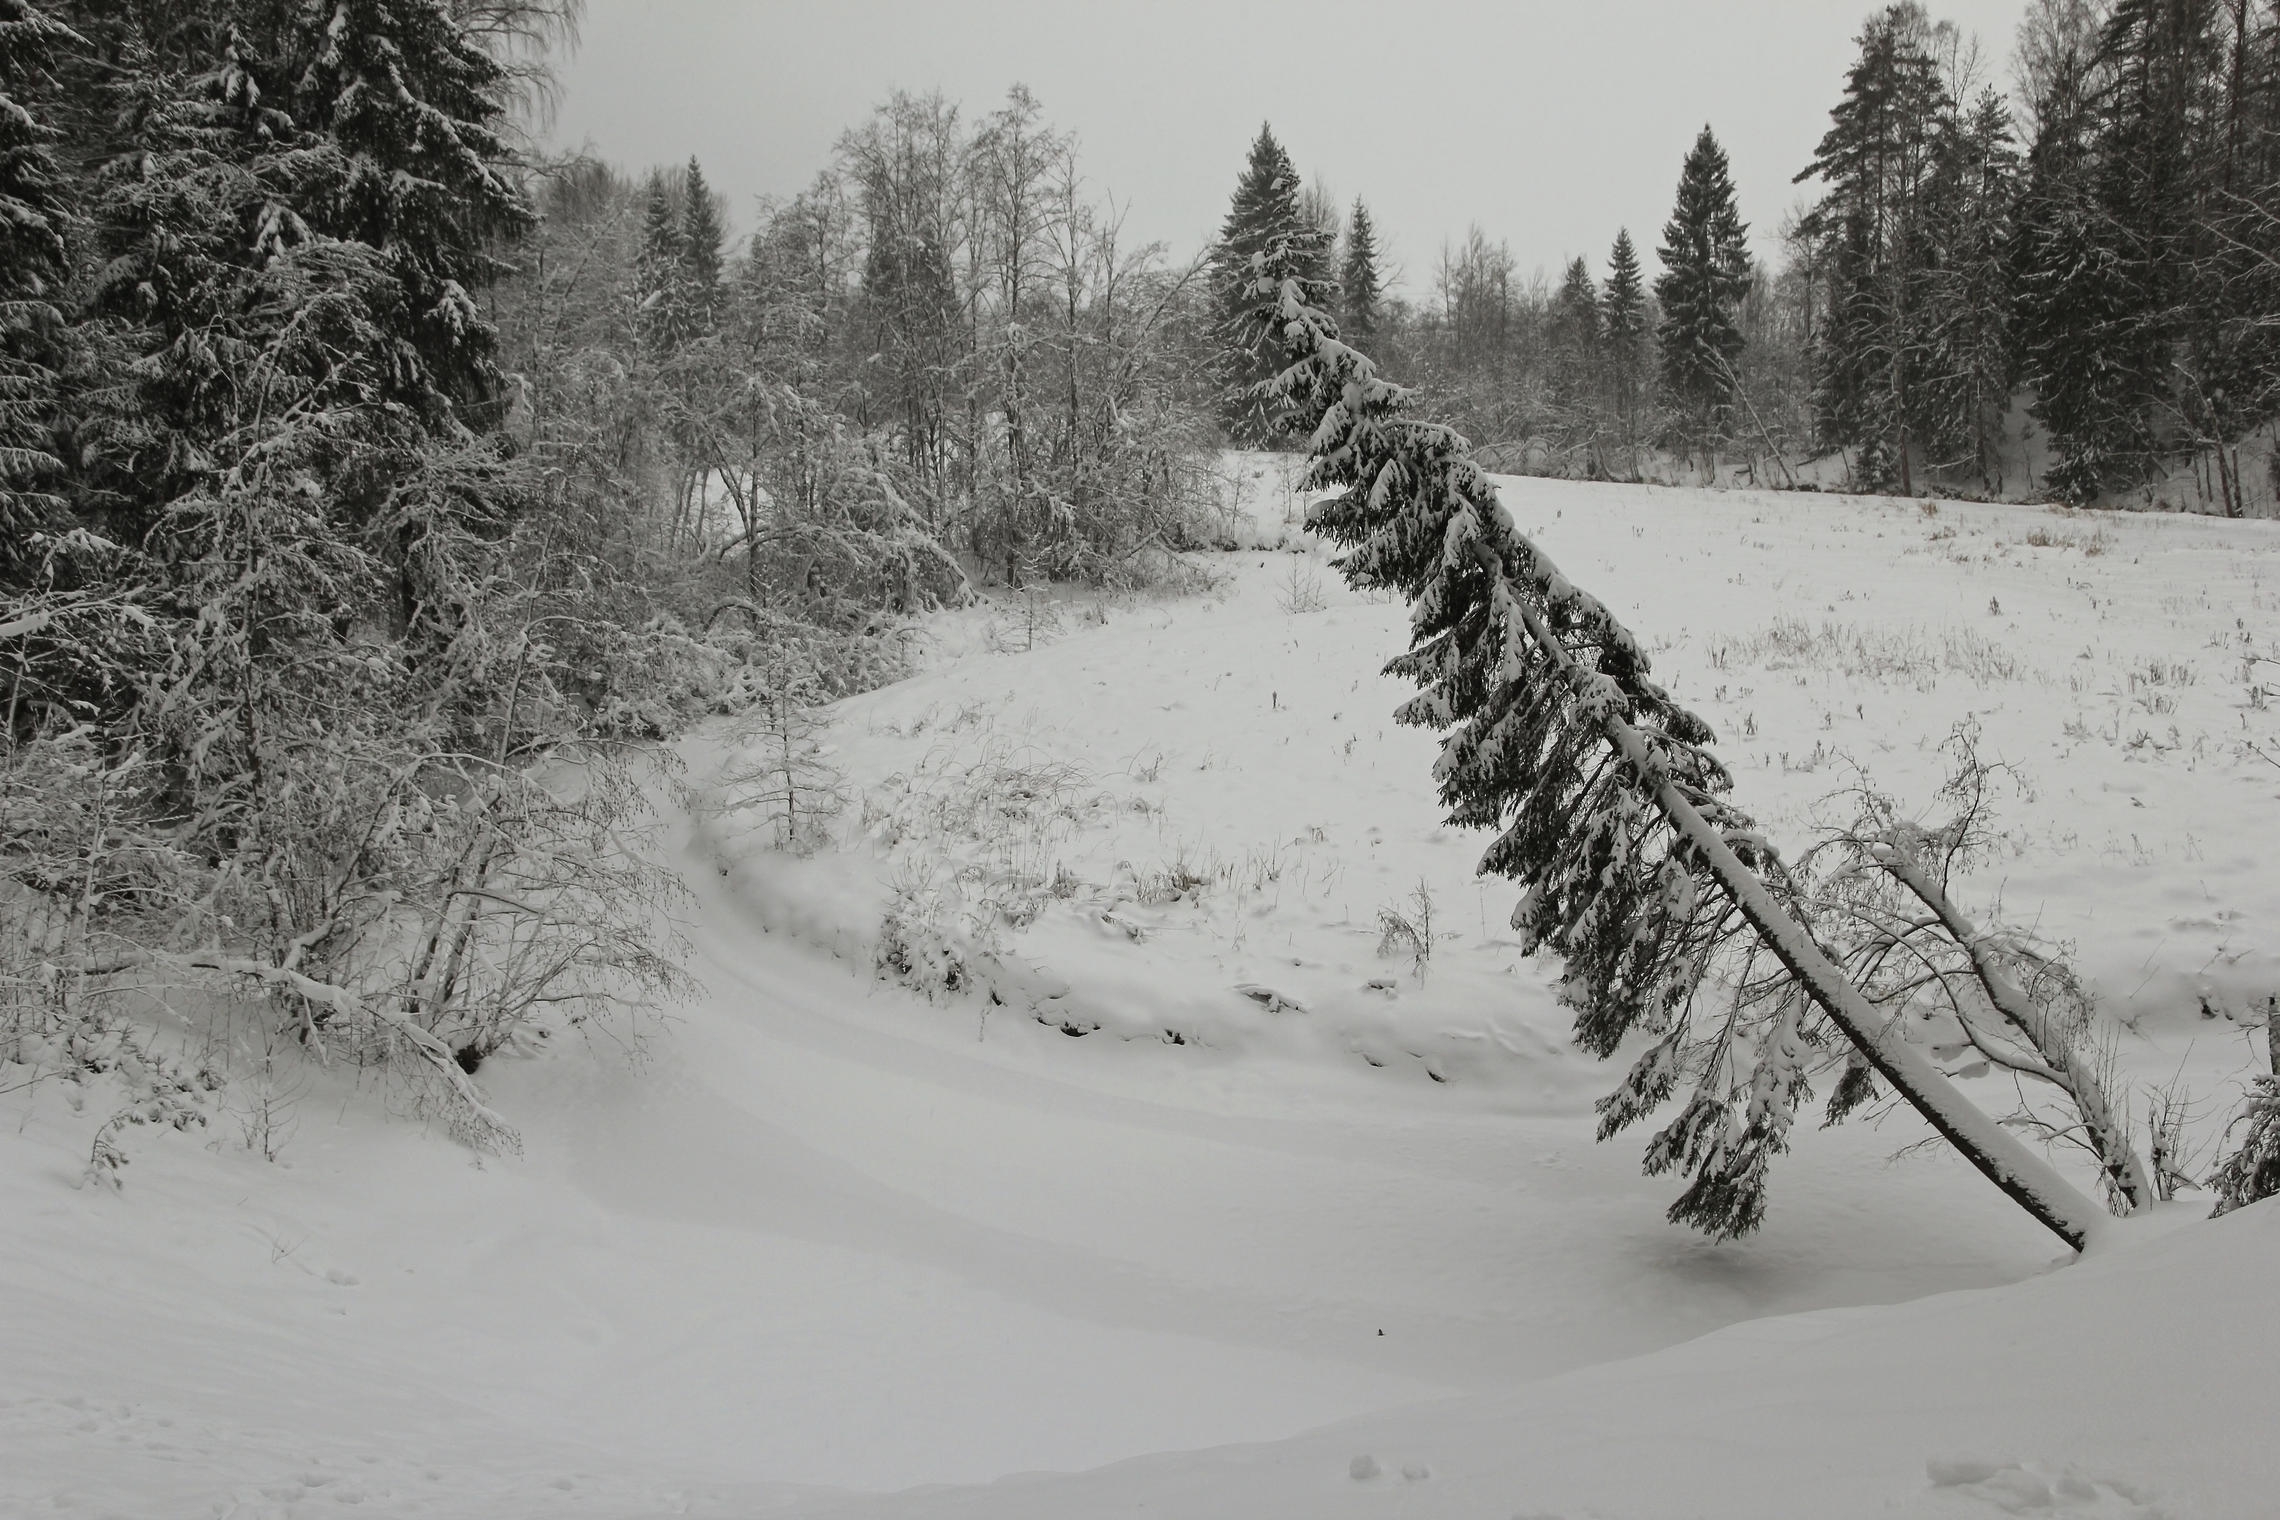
[1660,898]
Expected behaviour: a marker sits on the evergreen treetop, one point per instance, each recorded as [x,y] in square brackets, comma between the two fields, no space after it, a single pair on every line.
[1264,212]
[1623,301]
[702,238]
[407,112]
[661,270]
[1265,203]
[1576,307]
[1361,293]
[1706,272]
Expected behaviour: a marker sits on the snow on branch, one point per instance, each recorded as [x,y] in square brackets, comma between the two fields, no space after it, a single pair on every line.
[1671,916]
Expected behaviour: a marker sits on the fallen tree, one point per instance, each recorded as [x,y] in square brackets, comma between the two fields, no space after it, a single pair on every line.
[1673,917]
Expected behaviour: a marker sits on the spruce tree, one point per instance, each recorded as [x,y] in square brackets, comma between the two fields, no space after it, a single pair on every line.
[191,159]
[2074,301]
[1361,293]
[2077,313]
[1576,335]
[701,242]
[1965,391]
[2235,368]
[661,268]
[2157,143]
[1874,234]
[412,111]
[1671,916]
[1265,208]
[32,271]
[1706,272]
[1623,335]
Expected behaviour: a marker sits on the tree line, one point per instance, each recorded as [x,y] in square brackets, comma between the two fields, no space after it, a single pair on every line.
[2068,291]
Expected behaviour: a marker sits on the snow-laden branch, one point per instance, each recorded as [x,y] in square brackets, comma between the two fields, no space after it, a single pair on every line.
[2064,1066]
[482,1121]
[1658,896]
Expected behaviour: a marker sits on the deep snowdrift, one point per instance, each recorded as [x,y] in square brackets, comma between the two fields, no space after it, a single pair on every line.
[2127,1387]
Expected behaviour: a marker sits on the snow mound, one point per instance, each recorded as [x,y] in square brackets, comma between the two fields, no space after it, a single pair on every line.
[2120,1389]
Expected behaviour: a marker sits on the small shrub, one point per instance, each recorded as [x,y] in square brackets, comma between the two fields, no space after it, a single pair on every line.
[1301,591]
[781,772]
[1408,930]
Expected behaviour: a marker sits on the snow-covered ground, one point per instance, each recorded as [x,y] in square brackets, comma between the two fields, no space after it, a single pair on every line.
[1188,1166]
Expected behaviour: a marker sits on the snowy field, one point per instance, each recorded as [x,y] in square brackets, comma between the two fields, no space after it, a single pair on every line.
[1184,1159]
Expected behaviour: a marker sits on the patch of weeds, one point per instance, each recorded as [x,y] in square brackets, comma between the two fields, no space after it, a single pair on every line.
[1186,878]
[1407,929]
[1883,655]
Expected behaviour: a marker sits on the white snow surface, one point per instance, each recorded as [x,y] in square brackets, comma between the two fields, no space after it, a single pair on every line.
[1284,1226]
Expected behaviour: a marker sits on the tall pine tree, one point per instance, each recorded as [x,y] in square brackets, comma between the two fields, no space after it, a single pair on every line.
[1264,209]
[661,269]
[1965,392]
[701,240]
[413,112]
[1873,231]
[2074,303]
[1706,273]
[1623,337]
[1576,333]
[1361,291]
[2159,140]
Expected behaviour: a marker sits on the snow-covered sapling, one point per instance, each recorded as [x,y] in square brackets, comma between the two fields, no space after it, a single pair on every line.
[781,772]
[1301,589]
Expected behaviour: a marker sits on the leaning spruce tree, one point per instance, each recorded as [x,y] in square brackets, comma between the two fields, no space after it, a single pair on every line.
[1672,916]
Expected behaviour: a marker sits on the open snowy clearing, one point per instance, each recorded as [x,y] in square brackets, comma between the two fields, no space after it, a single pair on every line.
[1195,1124]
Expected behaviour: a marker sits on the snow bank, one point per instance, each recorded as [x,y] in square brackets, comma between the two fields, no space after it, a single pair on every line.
[2128,1388]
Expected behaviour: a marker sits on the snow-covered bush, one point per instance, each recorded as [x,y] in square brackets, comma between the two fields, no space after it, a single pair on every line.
[1985,995]
[2251,1169]
[331,638]
[927,938]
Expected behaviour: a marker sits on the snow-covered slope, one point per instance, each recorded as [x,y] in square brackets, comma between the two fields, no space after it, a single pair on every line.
[2128,1387]
[823,1234]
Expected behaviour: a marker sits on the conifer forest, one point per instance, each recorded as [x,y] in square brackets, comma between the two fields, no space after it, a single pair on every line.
[640,871]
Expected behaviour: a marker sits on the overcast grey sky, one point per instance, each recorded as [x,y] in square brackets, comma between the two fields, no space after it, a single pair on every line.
[1550,124]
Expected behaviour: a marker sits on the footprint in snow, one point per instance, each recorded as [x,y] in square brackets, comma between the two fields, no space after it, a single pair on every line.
[2029,1488]
[1365,1469]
